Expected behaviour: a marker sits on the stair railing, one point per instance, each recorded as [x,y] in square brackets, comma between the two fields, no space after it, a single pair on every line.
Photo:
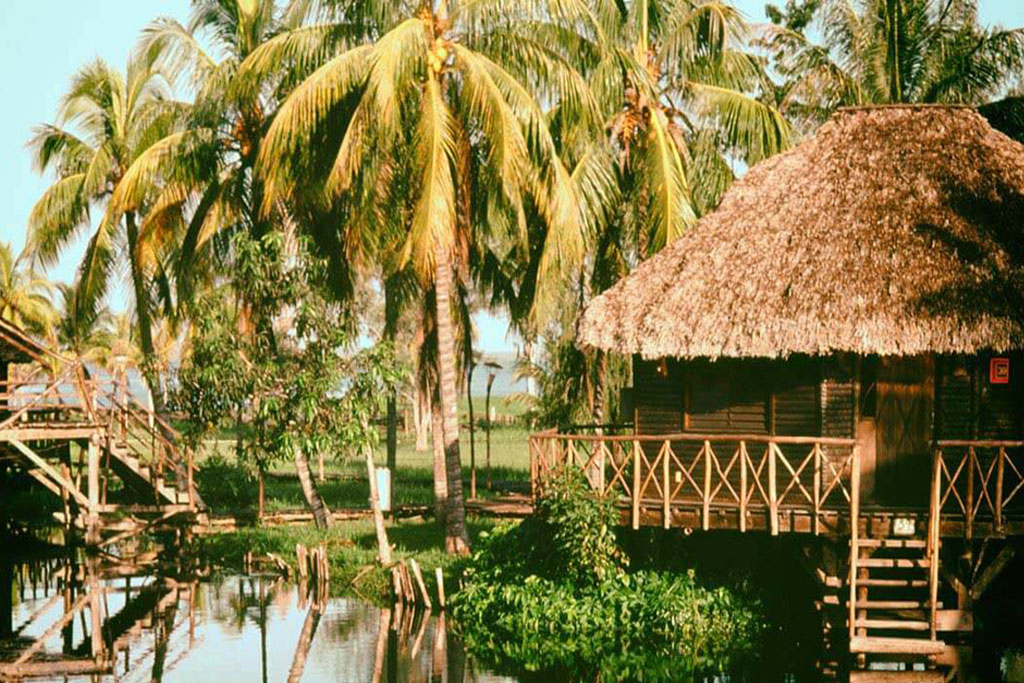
[854,537]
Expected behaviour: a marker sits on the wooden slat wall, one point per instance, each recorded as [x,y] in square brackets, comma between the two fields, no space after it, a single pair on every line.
[658,399]
[837,397]
[955,403]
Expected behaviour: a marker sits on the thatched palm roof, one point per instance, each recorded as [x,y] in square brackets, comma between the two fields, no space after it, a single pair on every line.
[893,230]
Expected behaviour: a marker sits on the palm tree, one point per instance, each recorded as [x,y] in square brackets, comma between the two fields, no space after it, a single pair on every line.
[428,103]
[885,52]
[208,189]
[105,120]
[24,293]
[682,100]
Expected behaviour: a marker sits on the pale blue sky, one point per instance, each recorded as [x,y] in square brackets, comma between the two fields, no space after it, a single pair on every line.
[45,41]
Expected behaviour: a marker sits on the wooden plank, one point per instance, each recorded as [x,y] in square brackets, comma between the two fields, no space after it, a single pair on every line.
[705,521]
[854,532]
[954,620]
[636,485]
[895,562]
[992,571]
[906,646]
[894,624]
[51,472]
[743,486]
[773,503]
[926,676]
[666,491]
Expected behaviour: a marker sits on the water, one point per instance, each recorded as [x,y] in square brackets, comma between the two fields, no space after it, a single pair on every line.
[235,628]
[172,625]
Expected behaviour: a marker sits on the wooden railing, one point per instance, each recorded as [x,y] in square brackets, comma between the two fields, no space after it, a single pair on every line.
[742,472]
[979,480]
[67,396]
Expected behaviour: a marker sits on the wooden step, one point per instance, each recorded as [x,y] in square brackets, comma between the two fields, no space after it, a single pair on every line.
[927,676]
[893,583]
[897,646]
[891,543]
[893,624]
[893,563]
[893,604]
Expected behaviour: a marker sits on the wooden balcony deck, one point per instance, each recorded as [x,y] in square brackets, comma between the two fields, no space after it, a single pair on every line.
[783,484]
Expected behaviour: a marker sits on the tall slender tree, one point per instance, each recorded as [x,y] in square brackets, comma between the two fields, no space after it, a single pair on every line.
[24,293]
[832,53]
[104,122]
[441,87]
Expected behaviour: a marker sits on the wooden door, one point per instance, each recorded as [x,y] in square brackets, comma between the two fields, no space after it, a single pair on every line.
[905,401]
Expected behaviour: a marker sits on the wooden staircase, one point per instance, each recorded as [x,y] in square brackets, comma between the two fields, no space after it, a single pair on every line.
[892,598]
[116,437]
[893,582]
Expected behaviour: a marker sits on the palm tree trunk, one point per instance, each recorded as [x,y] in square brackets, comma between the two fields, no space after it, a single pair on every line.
[440,471]
[472,427]
[390,323]
[316,502]
[456,536]
[142,315]
[597,409]
[420,408]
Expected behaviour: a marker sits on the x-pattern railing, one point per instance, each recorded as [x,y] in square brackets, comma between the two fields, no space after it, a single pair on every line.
[730,471]
[979,479]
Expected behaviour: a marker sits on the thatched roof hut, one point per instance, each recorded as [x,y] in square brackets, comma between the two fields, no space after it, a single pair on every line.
[891,231]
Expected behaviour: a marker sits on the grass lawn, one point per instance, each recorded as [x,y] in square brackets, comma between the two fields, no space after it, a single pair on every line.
[345,477]
[351,545]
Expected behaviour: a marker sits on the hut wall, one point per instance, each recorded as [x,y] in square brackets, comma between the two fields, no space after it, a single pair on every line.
[970,406]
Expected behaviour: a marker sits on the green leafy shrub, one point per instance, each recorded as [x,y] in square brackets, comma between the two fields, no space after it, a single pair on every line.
[554,594]
[226,485]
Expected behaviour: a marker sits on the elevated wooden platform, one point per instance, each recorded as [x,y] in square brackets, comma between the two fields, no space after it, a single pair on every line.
[879,567]
[75,435]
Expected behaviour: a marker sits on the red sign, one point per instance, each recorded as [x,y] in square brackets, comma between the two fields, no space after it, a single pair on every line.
[999,371]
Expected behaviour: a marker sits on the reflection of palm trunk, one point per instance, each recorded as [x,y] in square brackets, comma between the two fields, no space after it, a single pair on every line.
[316,502]
[305,640]
[456,537]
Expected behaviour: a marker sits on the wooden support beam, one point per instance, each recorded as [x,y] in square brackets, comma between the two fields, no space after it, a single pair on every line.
[992,571]
[66,484]
[773,503]
[706,512]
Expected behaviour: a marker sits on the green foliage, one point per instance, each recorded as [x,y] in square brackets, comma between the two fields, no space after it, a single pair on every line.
[567,379]
[308,389]
[227,485]
[583,529]
[552,594]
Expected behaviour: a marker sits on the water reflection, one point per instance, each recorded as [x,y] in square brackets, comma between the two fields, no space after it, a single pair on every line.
[71,621]
[67,618]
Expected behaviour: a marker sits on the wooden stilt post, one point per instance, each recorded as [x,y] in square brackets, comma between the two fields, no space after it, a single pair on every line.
[705,518]
[666,493]
[854,536]
[1000,463]
[636,485]
[969,512]
[92,534]
[817,489]
[773,502]
[743,486]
